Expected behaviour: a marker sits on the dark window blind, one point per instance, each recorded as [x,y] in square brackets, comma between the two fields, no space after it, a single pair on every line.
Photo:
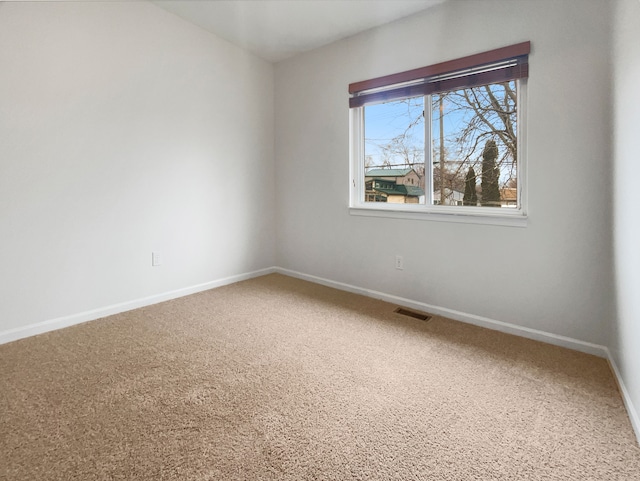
[499,65]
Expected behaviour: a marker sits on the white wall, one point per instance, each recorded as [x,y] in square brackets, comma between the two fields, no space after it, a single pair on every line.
[625,341]
[554,275]
[123,130]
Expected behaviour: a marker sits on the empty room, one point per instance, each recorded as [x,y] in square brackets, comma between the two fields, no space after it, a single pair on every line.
[319,240]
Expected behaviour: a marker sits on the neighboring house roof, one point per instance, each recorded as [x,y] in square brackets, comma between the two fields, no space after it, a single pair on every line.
[413,190]
[410,190]
[448,191]
[388,172]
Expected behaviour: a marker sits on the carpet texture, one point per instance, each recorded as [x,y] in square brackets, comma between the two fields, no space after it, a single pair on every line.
[279,379]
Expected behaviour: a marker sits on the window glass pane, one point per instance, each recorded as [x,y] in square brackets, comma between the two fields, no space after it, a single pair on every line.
[394,152]
[474,147]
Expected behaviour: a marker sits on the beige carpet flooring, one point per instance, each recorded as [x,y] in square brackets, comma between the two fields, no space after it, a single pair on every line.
[280,379]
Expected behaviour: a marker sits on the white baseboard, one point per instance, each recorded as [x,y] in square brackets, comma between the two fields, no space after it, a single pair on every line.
[550,338]
[626,398]
[589,348]
[66,321]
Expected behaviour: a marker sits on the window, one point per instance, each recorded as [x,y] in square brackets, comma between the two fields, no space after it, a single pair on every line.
[443,139]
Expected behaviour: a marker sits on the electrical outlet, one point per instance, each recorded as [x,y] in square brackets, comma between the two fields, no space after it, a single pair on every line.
[156,259]
[399,262]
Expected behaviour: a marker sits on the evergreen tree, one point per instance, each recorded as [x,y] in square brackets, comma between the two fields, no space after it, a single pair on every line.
[490,176]
[470,195]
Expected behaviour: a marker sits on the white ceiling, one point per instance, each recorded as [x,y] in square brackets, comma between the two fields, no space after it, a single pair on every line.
[278,29]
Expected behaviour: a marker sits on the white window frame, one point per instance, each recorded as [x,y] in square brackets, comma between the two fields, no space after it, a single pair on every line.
[516,217]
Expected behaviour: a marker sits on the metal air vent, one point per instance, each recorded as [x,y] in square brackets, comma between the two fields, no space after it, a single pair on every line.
[415,315]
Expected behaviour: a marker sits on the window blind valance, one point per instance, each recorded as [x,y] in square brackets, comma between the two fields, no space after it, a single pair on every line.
[499,65]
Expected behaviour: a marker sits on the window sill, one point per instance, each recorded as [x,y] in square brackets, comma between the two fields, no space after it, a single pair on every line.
[516,219]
